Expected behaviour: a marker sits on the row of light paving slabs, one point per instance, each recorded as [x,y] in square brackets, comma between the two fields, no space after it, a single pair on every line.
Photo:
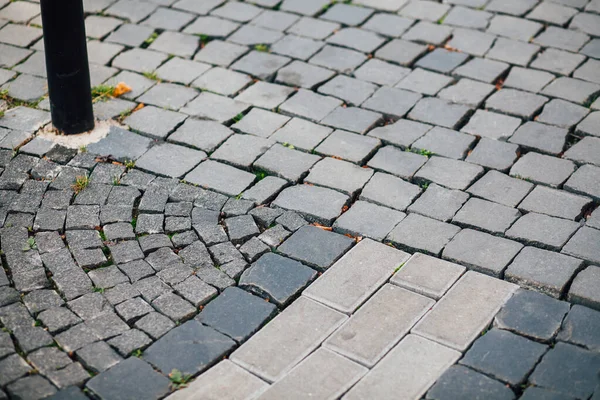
[109,312]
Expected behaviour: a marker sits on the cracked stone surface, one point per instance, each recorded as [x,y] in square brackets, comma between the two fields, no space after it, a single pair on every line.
[284,146]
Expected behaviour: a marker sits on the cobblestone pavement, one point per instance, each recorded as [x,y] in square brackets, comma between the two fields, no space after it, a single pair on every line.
[368,199]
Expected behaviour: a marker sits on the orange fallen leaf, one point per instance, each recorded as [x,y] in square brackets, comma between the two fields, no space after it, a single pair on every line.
[430,47]
[121,89]
[499,84]
[344,209]
[138,107]
[450,48]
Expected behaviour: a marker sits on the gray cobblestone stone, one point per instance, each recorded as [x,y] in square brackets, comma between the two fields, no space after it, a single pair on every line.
[499,251]
[543,169]
[286,163]
[418,233]
[400,163]
[582,289]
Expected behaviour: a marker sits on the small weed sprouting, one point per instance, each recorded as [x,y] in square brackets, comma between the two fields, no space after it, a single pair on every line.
[136,353]
[102,236]
[99,290]
[81,182]
[260,175]
[289,146]
[204,39]
[102,92]
[1,113]
[116,181]
[424,186]
[129,164]
[123,115]
[262,47]
[238,118]
[30,244]
[83,149]
[423,152]
[134,223]
[399,267]
[178,379]
[150,39]
[151,75]
[11,102]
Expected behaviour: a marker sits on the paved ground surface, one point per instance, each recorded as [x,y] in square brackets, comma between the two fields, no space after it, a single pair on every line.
[453,150]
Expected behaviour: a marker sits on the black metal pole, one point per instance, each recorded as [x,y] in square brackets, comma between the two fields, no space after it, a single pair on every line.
[67,65]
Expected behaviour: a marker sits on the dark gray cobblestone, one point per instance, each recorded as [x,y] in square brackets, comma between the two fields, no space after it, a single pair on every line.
[465,129]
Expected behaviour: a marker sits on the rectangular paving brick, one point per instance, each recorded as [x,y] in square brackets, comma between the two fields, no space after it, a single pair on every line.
[467,309]
[224,381]
[406,372]
[287,339]
[427,275]
[351,280]
[330,375]
[374,329]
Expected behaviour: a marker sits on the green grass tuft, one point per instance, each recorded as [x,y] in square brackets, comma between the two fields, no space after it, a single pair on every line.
[179,379]
[262,47]
[151,75]
[102,92]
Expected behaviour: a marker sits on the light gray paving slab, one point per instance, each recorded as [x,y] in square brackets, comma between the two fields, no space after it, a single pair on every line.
[330,375]
[428,275]
[466,310]
[406,372]
[357,275]
[224,381]
[287,339]
[379,325]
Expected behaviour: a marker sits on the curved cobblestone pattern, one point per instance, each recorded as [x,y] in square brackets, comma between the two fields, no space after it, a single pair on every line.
[376,197]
